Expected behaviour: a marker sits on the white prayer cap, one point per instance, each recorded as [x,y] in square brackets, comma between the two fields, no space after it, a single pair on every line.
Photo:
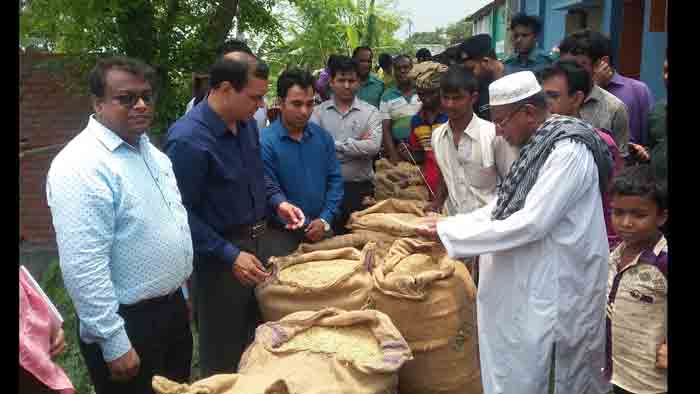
[513,88]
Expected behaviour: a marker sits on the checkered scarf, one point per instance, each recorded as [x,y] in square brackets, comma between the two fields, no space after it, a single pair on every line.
[525,170]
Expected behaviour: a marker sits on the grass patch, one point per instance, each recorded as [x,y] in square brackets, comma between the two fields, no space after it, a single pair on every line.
[71,360]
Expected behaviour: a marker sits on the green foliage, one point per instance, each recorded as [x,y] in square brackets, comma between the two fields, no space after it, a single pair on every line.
[177,37]
[315,29]
[458,31]
[452,34]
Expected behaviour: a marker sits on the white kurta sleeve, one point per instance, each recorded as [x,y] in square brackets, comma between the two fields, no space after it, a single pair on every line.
[568,172]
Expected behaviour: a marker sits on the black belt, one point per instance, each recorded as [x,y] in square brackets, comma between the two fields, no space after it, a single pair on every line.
[154,301]
[247,231]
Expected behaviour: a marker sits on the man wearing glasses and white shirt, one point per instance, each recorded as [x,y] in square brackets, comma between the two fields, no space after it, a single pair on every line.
[123,237]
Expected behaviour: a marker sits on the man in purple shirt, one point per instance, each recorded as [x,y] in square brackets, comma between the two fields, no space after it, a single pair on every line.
[635,94]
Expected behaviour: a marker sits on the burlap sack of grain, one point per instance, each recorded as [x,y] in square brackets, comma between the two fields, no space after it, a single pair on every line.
[223,384]
[396,217]
[356,240]
[329,351]
[312,281]
[431,300]
[403,181]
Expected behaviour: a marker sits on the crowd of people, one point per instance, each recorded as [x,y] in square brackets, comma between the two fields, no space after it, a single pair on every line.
[550,175]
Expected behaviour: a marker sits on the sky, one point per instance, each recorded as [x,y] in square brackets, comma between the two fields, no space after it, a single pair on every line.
[430,14]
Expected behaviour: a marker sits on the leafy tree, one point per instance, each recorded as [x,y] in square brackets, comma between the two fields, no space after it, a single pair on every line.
[175,36]
[458,31]
[315,29]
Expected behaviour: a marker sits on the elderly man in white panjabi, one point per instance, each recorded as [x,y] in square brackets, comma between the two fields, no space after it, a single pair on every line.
[541,298]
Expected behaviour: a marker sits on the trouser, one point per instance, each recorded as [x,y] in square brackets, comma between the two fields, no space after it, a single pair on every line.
[354,193]
[620,390]
[227,311]
[280,242]
[29,384]
[552,375]
[159,331]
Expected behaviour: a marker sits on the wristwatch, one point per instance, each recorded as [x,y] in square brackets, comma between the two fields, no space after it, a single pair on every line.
[326,226]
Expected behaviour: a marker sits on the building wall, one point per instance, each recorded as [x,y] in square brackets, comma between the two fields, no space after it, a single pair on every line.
[483,25]
[554,27]
[653,55]
[601,17]
[49,116]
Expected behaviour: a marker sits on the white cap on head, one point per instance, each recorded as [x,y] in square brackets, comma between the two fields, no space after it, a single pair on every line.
[513,88]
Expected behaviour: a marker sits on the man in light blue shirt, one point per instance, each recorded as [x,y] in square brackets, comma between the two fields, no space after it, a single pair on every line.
[123,237]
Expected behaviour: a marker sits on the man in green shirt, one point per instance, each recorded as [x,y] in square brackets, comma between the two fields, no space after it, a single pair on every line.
[397,107]
[371,87]
[526,57]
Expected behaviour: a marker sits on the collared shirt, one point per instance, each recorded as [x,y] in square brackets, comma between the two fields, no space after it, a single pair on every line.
[638,99]
[637,309]
[603,110]
[121,229]
[357,134]
[371,90]
[536,60]
[399,109]
[221,177]
[471,170]
[306,172]
[544,274]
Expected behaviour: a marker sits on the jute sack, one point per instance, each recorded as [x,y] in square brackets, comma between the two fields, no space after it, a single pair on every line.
[431,300]
[312,281]
[403,181]
[355,240]
[223,384]
[399,218]
[329,351]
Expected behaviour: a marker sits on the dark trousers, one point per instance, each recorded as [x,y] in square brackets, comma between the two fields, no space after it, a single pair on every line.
[620,390]
[29,384]
[354,193]
[279,242]
[160,334]
[227,312]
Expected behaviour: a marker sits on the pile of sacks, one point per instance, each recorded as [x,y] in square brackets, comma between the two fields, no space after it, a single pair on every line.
[402,181]
[374,311]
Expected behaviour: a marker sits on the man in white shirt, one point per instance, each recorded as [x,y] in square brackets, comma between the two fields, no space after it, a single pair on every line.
[541,298]
[470,156]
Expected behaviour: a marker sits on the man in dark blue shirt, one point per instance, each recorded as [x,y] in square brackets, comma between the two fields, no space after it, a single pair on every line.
[215,153]
[301,164]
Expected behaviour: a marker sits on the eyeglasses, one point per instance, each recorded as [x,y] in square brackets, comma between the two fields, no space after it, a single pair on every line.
[129,100]
[502,124]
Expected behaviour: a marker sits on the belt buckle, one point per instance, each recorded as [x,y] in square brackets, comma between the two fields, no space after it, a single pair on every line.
[257,230]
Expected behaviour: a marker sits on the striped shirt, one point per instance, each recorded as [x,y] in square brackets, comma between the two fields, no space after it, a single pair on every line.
[399,109]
